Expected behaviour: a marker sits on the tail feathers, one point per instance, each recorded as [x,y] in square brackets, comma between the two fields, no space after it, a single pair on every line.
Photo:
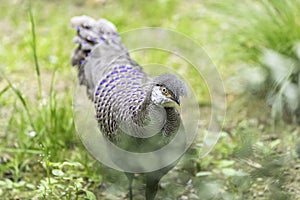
[90,32]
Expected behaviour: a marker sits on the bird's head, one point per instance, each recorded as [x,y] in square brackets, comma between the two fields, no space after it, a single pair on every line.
[167,90]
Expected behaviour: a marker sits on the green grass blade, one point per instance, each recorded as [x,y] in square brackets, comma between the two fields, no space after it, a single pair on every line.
[23,101]
[4,90]
[34,50]
[12,150]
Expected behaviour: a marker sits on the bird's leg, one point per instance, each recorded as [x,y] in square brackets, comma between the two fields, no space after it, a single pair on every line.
[151,187]
[130,179]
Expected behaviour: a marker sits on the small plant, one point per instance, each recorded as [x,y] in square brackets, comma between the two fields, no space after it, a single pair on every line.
[63,182]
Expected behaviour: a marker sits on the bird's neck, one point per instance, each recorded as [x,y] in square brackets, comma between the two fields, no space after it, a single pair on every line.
[172,121]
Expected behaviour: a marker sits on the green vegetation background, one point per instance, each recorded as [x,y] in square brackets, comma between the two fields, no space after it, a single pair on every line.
[41,157]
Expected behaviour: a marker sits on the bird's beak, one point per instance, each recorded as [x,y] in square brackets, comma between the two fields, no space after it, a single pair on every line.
[177,104]
[177,107]
[174,103]
[176,100]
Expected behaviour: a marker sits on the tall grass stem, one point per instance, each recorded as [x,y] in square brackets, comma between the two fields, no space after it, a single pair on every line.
[34,50]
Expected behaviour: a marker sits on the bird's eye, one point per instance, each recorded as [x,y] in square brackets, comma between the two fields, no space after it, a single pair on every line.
[164,90]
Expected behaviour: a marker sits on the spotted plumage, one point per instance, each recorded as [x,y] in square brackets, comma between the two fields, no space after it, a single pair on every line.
[119,96]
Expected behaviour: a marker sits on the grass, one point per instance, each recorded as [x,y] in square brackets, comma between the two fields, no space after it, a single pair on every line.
[40,154]
[263,35]
[36,62]
[258,25]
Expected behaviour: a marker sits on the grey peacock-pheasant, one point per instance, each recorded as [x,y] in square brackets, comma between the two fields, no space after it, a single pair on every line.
[134,111]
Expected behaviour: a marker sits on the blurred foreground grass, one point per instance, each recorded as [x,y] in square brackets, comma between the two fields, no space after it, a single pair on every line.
[42,158]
